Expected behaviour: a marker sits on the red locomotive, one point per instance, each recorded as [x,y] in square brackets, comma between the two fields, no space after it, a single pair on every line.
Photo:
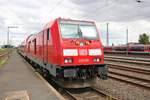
[67,50]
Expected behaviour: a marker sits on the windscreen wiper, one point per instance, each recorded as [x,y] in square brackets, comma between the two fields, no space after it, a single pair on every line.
[79,32]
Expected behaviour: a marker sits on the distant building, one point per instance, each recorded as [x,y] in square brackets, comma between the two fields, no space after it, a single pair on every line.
[7,46]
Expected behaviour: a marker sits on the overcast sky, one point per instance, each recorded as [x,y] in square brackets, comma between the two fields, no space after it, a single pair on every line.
[31,15]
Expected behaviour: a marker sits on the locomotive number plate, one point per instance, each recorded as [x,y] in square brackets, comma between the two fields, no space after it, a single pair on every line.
[83,60]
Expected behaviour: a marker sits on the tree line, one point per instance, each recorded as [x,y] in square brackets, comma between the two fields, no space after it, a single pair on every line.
[144,39]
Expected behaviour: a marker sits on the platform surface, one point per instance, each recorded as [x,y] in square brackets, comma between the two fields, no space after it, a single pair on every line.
[19,82]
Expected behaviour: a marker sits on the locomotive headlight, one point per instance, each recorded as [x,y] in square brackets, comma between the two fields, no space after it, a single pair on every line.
[95,52]
[87,42]
[96,60]
[68,60]
[81,44]
[77,42]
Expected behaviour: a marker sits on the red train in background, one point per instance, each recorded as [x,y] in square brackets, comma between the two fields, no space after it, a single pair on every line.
[67,50]
[131,48]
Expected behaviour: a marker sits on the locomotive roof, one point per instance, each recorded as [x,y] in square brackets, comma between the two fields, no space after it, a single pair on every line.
[30,36]
[53,21]
[49,24]
[63,19]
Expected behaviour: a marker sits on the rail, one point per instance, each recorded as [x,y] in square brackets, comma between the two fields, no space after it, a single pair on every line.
[132,69]
[128,60]
[129,52]
[109,97]
[128,78]
[97,94]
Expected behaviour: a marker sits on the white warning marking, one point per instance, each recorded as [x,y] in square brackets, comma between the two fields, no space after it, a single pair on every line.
[17,95]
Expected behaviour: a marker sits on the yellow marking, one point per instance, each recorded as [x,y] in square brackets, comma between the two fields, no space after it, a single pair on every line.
[108,98]
[2,62]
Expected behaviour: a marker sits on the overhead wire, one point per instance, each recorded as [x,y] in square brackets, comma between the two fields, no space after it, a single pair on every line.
[101,8]
[96,11]
[53,9]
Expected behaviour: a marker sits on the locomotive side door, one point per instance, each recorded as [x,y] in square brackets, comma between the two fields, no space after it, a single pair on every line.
[45,45]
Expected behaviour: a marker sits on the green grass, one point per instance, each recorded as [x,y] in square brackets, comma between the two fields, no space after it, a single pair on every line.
[5,50]
[5,58]
[2,62]
[2,49]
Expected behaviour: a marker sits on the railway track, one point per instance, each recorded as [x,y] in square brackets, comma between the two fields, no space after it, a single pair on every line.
[144,83]
[130,80]
[131,54]
[88,93]
[142,70]
[132,60]
[123,73]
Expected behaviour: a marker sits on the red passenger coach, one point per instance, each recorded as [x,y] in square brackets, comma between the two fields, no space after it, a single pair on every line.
[68,49]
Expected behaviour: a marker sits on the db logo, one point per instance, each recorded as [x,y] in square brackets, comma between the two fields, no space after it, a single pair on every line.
[83,52]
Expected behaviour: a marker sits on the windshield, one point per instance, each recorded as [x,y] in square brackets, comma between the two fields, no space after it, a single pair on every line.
[69,31]
[88,31]
[78,31]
